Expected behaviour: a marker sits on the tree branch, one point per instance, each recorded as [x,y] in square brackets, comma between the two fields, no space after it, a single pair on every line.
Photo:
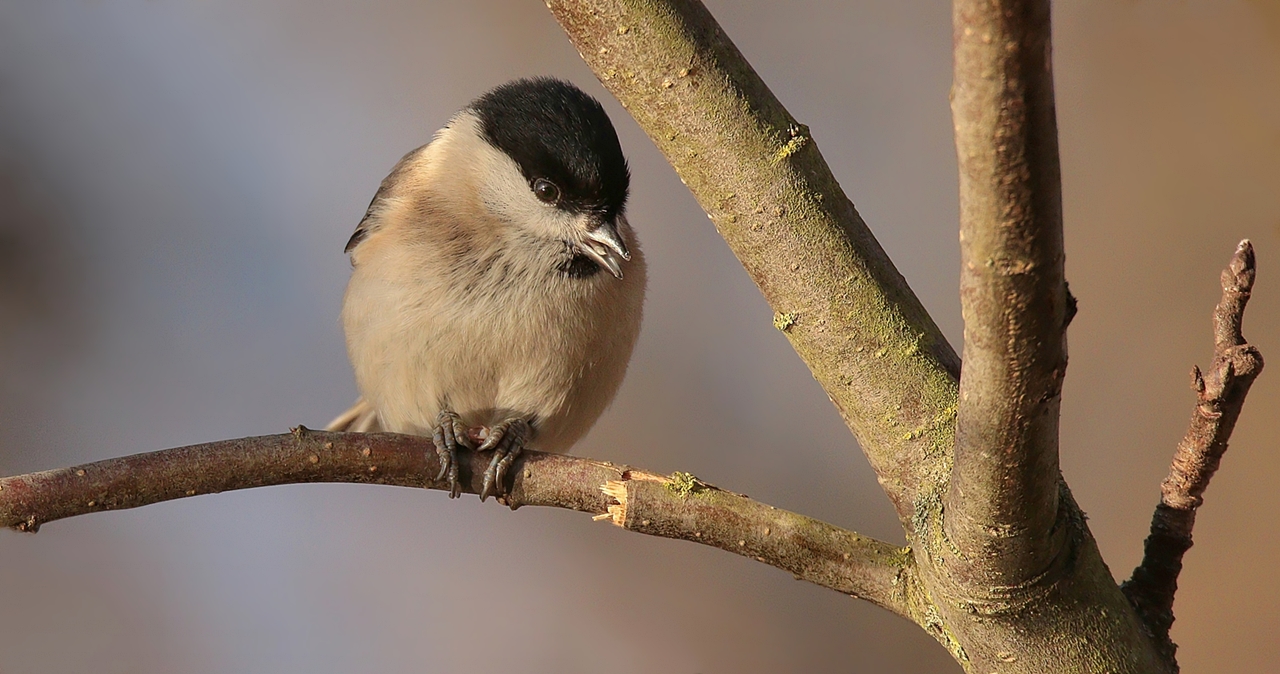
[678,507]
[1002,507]
[1220,395]
[853,320]
[759,176]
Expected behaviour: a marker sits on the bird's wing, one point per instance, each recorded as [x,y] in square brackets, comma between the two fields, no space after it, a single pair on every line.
[360,418]
[370,222]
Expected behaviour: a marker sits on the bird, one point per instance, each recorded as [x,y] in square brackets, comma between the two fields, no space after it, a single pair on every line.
[497,287]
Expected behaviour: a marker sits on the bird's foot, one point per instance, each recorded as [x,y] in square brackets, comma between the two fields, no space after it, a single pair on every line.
[507,440]
[450,431]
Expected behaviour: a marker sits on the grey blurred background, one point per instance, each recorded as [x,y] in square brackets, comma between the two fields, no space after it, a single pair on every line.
[177,180]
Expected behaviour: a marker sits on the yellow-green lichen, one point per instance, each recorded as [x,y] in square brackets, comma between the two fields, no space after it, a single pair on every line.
[685,485]
[924,608]
[799,138]
[924,612]
[944,420]
[902,557]
[784,321]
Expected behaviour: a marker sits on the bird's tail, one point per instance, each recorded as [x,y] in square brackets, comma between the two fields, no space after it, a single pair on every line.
[360,418]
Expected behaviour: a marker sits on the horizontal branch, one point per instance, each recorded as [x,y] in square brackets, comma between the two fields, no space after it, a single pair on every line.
[677,507]
[1220,395]
[759,176]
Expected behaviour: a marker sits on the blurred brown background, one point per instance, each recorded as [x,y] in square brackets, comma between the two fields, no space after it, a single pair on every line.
[177,180]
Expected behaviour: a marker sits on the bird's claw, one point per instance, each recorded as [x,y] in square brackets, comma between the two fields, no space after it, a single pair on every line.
[507,441]
[450,431]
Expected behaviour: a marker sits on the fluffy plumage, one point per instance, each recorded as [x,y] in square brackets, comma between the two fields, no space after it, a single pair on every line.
[472,293]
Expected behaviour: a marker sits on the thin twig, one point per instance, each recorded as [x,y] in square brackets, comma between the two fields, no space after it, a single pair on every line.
[678,507]
[1220,395]
[1003,498]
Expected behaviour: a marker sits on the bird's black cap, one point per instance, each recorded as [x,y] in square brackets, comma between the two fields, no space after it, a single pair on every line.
[554,130]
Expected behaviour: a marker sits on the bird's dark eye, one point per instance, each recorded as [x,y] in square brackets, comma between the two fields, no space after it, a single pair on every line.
[546,191]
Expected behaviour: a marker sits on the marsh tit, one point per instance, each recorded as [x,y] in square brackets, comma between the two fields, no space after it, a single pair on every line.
[497,286]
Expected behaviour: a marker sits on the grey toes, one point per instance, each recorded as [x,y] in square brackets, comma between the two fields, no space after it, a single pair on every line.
[450,432]
[507,441]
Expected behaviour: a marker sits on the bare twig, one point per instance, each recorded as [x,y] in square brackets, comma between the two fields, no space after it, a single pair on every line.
[1220,395]
[677,507]
[758,174]
[1002,507]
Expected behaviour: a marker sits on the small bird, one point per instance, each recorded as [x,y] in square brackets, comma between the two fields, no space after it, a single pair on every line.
[497,287]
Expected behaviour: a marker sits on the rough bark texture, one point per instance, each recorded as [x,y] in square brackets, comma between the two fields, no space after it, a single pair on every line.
[1011,566]
[811,550]
[1220,395]
[1003,498]
[758,174]
[672,507]
[850,316]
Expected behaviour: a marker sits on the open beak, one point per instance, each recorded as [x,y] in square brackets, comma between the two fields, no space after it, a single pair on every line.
[605,248]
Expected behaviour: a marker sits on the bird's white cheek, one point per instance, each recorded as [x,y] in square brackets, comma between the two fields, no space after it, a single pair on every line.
[550,222]
[505,193]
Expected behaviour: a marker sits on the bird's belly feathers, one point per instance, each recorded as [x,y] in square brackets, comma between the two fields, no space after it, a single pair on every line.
[553,356]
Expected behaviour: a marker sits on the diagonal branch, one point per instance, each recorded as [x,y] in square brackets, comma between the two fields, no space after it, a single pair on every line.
[1003,500]
[678,507]
[1220,395]
[758,174]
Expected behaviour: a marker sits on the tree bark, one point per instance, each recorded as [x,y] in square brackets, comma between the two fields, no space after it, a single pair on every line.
[1220,397]
[680,506]
[758,174]
[1003,498]
[851,317]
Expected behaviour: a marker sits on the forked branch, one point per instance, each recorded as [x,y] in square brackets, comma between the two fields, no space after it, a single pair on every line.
[1220,394]
[758,174]
[677,507]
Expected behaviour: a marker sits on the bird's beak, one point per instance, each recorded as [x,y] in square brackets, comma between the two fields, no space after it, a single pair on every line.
[605,247]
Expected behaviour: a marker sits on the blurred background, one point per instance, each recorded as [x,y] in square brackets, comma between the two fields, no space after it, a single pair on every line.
[177,181]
